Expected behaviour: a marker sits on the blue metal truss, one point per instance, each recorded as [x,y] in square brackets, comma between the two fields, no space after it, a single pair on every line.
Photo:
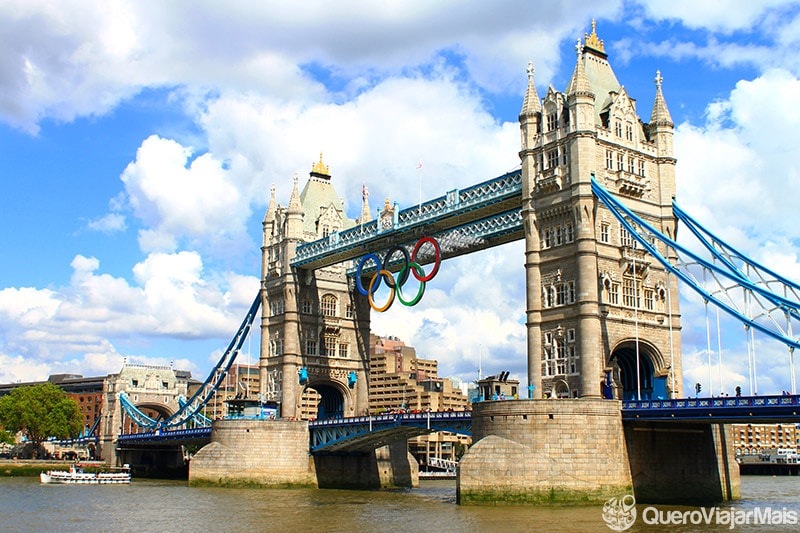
[365,433]
[728,279]
[744,409]
[191,408]
[454,212]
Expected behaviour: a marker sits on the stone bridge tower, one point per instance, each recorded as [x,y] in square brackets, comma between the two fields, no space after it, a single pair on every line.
[154,389]
[596,302]
[314,330]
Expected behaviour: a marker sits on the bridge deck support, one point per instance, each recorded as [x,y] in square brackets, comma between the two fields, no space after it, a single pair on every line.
[388,467]
[682,462]
[257,452]
[544,451]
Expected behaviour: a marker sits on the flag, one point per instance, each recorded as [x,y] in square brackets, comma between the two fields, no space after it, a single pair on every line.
[419,167]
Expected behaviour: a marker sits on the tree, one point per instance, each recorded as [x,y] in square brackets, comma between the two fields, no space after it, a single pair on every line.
[41,411]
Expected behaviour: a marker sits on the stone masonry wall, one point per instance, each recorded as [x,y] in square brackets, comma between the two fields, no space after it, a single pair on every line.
[530,451]
[260,452]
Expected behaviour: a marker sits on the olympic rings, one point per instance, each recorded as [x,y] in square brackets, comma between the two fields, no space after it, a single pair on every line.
[410,266]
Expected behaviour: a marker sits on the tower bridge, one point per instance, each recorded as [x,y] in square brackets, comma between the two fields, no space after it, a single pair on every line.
[593,201]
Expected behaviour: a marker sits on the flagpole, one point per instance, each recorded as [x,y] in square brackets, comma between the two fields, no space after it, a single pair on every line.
[419,179]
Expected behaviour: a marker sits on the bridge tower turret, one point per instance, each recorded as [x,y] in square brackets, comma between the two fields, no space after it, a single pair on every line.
[314,331]
[602,317]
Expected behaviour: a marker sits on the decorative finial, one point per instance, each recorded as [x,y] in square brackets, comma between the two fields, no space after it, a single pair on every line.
[530,70]
[658,79]
[364,192]
[593,42]
[272,190]
[579,47]
[320,167]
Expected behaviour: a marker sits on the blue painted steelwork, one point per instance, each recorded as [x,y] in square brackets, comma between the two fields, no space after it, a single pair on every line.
[208,388]
[752,303]
[456,209]
[163,436]
[365,433]
[737,409]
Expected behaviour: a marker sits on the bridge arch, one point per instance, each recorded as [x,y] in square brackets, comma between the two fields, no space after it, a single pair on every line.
[334,399]
[652,371]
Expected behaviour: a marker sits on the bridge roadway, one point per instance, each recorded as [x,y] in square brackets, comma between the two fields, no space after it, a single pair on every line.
[370,432]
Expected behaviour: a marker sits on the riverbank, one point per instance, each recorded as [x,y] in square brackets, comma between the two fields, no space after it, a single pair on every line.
[29,467]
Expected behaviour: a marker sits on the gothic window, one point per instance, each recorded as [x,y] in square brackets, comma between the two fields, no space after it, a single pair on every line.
[311,347]
[572,359]
[641,167]
[546,240]
[306,307]
[629,132]
[330,346]
[328,305]
[558,235]
[609,160]
[326,230]
[540,161]
[570,292]
[570,232]
[276,307]
[649,300]
[552,159]
[551,121]
[630,165]
[613,294]
[630,293]
[620,162]
[618,128]
[604,232]
[343,350]
[561,294]
[625,238]
[348,311]
[564,155]
[571,335]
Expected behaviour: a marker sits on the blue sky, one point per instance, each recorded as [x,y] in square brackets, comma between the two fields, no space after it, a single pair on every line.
[139,141]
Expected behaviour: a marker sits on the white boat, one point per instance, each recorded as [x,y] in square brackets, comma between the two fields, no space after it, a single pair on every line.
[76,476]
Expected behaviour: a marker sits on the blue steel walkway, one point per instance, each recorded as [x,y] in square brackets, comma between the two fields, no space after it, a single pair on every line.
[366,433]
[737,410]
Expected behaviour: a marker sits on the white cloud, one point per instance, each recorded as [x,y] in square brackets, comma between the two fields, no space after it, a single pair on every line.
[75,328]
[720,15]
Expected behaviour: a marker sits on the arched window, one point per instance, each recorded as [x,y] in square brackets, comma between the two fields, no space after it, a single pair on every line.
[328,305]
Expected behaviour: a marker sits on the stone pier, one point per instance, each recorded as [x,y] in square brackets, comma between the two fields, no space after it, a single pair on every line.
[276,453]
[544,451]
[255,452]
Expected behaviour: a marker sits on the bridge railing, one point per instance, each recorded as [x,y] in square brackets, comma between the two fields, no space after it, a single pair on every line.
[163,435]
[394,417]
[456,201]
[705,403]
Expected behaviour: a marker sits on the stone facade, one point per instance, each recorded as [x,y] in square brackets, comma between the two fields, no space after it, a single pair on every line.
[257,452]
[314,330]
[596,301]
[544,451]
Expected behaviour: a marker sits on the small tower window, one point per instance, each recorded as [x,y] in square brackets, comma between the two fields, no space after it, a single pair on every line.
[328,305]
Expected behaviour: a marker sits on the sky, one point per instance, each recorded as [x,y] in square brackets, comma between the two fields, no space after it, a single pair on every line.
[139,140]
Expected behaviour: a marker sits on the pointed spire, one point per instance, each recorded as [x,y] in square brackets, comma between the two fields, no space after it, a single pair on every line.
[579,84]
[366,216]
[531,104]
[660,115]
[271,207]
[294,200]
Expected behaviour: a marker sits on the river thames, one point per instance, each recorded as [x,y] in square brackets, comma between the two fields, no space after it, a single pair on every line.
[172,506]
